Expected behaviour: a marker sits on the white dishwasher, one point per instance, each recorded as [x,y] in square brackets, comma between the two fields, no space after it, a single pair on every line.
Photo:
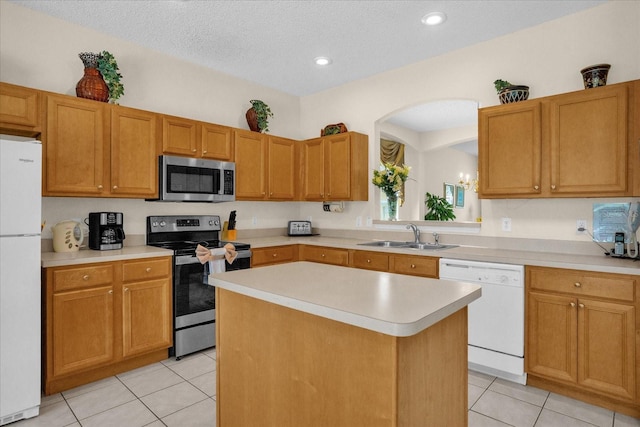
[496,319]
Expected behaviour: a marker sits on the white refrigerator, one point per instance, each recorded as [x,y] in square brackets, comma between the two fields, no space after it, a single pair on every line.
[20,227]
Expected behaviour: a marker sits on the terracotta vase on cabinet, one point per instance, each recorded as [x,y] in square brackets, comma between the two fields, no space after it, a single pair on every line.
[252,120]
[92,85]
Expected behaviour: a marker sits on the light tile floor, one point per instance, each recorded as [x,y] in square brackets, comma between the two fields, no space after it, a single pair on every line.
[182,393]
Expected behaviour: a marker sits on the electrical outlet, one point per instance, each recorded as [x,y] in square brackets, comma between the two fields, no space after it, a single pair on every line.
[506,224]
[581,224]
[254,220]
[358,221]
[369,222]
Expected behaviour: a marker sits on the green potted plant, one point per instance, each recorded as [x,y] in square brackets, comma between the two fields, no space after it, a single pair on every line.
[108,67]
[438,208]
[508,93]
[258,116]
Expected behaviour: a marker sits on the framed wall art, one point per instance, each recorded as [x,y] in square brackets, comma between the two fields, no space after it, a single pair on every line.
[459,196]
[449,193]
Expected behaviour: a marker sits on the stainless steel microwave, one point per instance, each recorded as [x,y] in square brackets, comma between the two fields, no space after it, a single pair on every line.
[185,179]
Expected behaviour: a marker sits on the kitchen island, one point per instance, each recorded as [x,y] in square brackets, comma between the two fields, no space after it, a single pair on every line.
[306,344]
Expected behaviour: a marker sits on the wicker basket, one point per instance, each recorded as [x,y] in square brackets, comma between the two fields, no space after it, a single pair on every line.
[513,94]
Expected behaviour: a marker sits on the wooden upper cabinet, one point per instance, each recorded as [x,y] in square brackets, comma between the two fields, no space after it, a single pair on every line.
[510,146]
[76,147]
[19,110]
[251,165]
[282,167]
[179,136]
[190,138]
[335,168]
[569,145]
[134,162]
[217,142]
[588,141]
[93,149]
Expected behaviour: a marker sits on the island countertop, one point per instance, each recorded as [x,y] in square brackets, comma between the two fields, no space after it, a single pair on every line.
[392,304]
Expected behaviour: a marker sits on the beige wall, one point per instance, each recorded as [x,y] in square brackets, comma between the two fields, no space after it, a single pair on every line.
[40,51]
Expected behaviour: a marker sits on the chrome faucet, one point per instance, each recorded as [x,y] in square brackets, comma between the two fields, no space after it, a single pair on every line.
[416,232]
[436,238]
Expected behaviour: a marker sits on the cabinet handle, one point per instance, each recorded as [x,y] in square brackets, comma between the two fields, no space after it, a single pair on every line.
[271,193]
[193,150]
[553,187]
[204,151]
[148,269]
[110,292]
[100,187]
[413,266]
[85,277]
[126,289]
[577,284]
[322,255]
[573,304]
[536,187]
[581,305]
[368,261]
[115,187]
[275,255]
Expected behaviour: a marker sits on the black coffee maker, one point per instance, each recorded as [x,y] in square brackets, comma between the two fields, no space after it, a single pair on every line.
[105,230]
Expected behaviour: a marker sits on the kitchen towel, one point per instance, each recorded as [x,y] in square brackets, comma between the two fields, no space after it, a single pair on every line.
[206,254]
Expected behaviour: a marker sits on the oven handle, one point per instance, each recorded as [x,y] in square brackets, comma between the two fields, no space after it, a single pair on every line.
[191,259]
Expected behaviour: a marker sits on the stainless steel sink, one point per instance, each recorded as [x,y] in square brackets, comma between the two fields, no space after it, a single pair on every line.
[385,244]
[407,245]
[429,246]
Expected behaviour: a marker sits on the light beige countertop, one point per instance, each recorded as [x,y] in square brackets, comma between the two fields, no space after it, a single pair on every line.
[472,253]
[87,256]
[388,303]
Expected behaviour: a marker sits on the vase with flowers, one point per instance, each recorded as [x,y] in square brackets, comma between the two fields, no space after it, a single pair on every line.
[390,179]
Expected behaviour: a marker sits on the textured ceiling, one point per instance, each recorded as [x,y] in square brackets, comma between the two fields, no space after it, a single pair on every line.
[273,43]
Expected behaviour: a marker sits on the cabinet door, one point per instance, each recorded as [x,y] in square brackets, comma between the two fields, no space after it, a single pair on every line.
[509,150]
[273,255]
[82,329]
[324,255]
[312,169]
[19,109]
[378,261]
[281,153]
[134,160]
[606,342]
[217,142]
[338,167]
[76,147]
[589,141]
[414,265]
[179,136]
[146,316]
[251,164]
[551,348]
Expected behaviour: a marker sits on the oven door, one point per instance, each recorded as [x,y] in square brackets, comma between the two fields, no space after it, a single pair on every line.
[194,299]
[242,261]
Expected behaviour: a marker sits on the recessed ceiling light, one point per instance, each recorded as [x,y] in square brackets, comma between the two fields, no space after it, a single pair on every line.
[434,18]
[322,60]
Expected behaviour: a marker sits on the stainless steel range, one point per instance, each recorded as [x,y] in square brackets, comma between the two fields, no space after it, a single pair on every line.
[193,298]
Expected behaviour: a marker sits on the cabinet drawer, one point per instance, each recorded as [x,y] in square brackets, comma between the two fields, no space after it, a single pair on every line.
[325,255]
[414,265]
[82,277]
[145,269]
[273,255]
[370,260]
[581,283]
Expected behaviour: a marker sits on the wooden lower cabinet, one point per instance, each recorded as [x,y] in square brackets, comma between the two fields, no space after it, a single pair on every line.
[261,257]
[104,318]
[581,343]
[325,255]
[414,265]
[370,260]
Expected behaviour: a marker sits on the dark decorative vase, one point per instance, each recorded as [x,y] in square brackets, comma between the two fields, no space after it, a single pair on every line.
[92,85]
[595,75]
[252,120]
